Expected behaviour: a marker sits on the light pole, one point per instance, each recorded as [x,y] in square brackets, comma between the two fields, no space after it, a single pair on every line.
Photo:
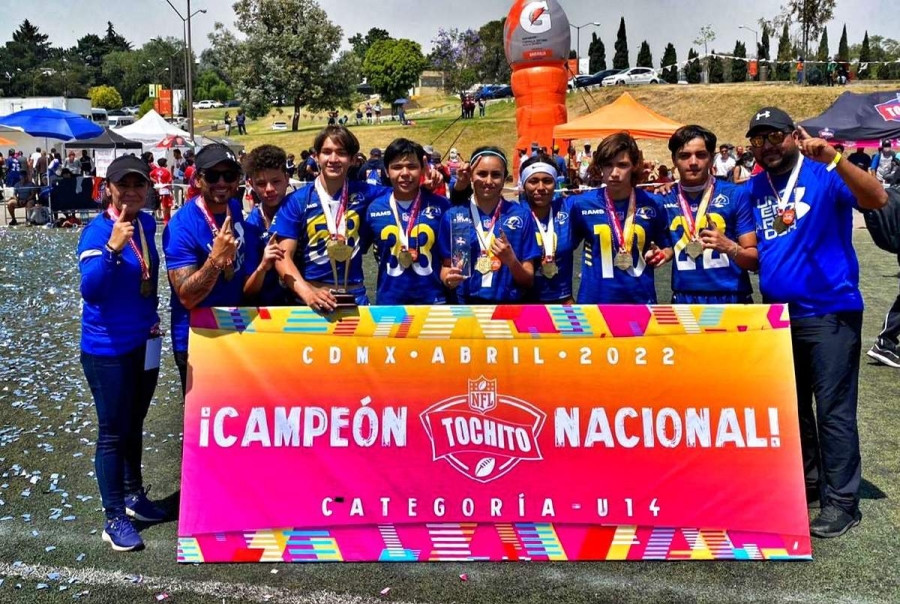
[755,33]
[188,67]
[578,40]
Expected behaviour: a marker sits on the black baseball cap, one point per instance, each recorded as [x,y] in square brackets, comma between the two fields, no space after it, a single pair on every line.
[376,152]
[886,143]
[213,154]
[125,165]
[770,118]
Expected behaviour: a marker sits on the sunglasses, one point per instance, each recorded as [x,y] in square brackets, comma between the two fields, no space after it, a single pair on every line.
[776,138]
[212,177]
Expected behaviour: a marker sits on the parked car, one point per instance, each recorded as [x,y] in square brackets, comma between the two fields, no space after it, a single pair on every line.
[633,76]
[594,79]
[493,91]
[207,105]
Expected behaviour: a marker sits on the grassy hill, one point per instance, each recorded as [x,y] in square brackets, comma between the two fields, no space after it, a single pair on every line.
[724,108]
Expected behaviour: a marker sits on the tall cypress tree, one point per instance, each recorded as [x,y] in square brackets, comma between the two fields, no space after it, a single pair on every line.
[843,47]
[822,53]
[864,72]
[620,60]
[692,69]
[669,74]
[716,69]
[597,54]
[785,55]
[644,58]
[739,67]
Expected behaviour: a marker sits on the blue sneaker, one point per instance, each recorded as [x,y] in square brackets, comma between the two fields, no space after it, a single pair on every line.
[121,535]
[140,508]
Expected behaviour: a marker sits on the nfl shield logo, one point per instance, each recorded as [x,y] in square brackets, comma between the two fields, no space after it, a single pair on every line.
[890,110]
[482,395]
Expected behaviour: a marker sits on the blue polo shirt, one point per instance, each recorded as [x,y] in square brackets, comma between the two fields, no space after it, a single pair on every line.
[812,265]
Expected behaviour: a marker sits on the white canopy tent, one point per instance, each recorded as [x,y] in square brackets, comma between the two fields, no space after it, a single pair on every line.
[151,129]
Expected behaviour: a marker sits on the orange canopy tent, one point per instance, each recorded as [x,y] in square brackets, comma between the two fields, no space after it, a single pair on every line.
[624,113]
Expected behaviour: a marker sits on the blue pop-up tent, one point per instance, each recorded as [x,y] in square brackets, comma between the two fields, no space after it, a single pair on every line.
[859,119]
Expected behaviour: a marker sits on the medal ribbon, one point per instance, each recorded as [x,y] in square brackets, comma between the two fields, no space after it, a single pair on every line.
[690,223]
[623,240]
[335,221]
[208,217]
[404,234]
[547,237]
[791,183]
[484,240]
[143,258]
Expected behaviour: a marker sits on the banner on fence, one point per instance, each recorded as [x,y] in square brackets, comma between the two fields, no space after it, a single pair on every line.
[492,433]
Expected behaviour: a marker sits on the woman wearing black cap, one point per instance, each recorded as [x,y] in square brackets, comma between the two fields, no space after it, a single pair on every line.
[120,343]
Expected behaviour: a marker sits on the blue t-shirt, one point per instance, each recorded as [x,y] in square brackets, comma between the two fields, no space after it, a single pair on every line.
[421,282]
[300,217]
[601,281]
[516,221]
[273,293]
[559,287]
[812,265]
[116,318]
[713,272]
[188,241]
[13,171]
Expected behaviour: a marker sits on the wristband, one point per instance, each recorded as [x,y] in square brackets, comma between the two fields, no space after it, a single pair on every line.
[735,251]
[216,266]
[834,162]
[111,250]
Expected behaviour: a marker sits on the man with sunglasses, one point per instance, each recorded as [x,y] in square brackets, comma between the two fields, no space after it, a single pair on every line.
[210,256]
[803,204]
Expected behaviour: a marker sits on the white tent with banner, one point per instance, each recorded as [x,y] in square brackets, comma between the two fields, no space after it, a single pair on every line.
[151,129]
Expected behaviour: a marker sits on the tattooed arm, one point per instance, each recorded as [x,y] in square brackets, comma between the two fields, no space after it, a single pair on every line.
[192,285]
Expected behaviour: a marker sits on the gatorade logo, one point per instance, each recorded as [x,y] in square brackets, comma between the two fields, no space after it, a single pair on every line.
[535,18]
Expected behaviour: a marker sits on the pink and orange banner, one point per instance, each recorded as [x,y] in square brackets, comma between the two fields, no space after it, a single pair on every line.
[492,433]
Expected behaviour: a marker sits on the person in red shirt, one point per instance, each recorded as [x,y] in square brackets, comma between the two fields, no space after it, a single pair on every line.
[193,191]
[162,182]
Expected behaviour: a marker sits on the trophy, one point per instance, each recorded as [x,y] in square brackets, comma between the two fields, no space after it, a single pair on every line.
[339,250]
[461,251]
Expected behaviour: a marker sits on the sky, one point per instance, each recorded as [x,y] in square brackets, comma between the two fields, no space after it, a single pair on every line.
[657,21]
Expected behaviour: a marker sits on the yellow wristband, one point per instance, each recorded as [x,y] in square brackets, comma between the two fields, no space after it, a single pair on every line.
[834,162]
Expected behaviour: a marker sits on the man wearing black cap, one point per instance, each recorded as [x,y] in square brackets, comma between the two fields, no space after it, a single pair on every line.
[803,203]
[373,171]
[208,257]
[882,162]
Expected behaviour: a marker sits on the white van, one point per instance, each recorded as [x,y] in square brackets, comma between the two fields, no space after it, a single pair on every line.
[117,121]
[100,117]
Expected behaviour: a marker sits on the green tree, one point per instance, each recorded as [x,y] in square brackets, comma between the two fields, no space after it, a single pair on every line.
[812,15]
[596,54]
[493,66]
[106,97]
[763,50]
[864,71]
[392,67]
[785,55]
[692,68]
[210,86]
[287,51]
[704,37]
[620,60]
[145,107]
[716,69]
[738,66]
[668,64]
[114,41]
[458,54]
[822,54]
[361,44]
[843,49]
[644,58]
[23,60]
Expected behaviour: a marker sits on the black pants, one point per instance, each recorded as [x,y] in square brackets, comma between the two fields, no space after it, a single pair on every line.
[826,365]
[890,333]
[181,361]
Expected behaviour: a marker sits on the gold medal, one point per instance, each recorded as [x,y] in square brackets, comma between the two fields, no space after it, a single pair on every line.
[338,250]
[624,261]
[779,225]
[146,288]
[229,272]
[483,265]
[694,249]
[549,269]
[789,217]
[405,259]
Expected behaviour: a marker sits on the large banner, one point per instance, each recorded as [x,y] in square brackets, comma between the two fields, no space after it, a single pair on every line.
[492,433]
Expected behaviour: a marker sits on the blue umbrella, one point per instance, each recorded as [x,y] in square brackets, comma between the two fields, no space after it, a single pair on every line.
[400,102]
[52,123]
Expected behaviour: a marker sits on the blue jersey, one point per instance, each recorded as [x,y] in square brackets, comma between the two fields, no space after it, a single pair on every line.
[421,282]
[116,318]
[812,265]
[300,217]
[188,241]
[13,171]
[559,287]
[601,281]
[713,272]
[497,286]
[273,293]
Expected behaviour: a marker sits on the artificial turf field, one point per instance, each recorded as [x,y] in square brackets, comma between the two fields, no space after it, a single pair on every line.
[50,546]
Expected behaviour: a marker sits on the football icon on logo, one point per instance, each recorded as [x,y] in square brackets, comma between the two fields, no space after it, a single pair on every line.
[485,467]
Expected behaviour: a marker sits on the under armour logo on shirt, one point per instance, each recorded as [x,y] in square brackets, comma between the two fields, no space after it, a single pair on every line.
[761,115]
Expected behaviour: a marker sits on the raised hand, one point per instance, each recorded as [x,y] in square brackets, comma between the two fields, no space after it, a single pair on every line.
[224,245]
[654,257]
[816,149]
[272,253]
[464,174]
[123,231]
[501,248]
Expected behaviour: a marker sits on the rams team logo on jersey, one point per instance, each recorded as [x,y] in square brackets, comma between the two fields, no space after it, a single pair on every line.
[562,218]
[720,201]
[432,212]
[355,197]
[513,223]
[646,213]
